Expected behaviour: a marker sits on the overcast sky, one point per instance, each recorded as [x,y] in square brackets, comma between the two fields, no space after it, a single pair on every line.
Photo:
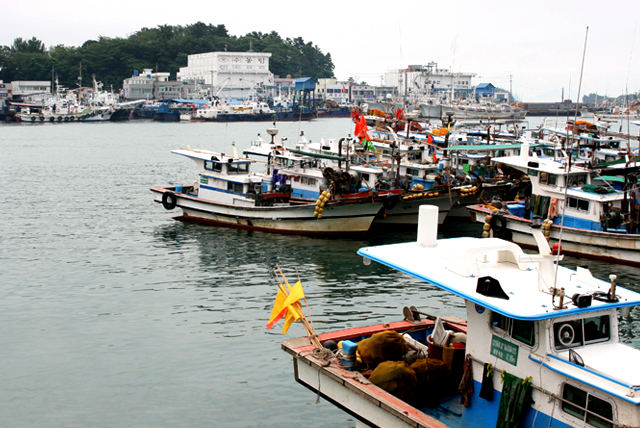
[534,47]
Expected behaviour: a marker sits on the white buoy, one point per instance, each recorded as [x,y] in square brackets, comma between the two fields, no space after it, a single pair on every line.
[428,226]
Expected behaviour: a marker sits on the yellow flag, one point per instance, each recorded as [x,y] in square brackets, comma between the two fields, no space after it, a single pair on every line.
[293,306]
[288,320]
[278,309]
[295,294]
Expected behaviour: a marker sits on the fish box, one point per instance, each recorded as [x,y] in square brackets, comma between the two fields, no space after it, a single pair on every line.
[516,209]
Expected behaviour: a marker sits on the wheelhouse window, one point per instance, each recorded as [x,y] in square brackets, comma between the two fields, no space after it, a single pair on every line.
[577,204]
[580,332]
[212,166]
[234,187]
[577,180]
[522,331]
[548,179]
[238,168]
[308,181]
[413,172]
[594,411]
[414,156]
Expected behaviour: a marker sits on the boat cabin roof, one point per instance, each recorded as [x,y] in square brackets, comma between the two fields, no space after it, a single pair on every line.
[207,155]
[488,147]
[604,140]
[497,275]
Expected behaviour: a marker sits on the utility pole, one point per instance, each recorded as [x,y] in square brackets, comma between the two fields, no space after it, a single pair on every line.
[510,86]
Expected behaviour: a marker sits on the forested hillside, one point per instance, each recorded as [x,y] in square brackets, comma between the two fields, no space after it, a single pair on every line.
[164,48]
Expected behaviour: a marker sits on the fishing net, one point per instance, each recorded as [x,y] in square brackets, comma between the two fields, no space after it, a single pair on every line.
[387,345]
[395,377]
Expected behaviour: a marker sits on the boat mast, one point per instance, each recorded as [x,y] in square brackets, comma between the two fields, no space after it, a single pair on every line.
[570,145]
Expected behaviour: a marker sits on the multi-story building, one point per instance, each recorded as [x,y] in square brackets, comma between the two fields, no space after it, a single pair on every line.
[230,74]
[145,85]
[430,81]
[28,89]
[333,90]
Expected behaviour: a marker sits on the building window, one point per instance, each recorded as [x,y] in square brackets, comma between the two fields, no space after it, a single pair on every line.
[522,331]
[587,407]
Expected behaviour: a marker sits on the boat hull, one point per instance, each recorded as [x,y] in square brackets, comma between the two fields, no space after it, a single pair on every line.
[353,218]
[355,394]
[405,212]
[610,246]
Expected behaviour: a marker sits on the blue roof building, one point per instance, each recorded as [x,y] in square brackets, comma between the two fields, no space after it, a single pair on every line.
[485,90]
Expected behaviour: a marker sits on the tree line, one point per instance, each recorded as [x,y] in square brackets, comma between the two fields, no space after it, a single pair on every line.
[164,48]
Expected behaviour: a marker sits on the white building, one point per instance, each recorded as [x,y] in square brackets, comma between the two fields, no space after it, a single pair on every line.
[431,81]
[232,74]
[31,88]
[333,90]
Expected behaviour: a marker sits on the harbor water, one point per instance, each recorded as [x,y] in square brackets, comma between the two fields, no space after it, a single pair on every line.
[115,315]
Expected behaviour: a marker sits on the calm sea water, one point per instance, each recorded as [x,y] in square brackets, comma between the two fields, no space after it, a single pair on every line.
[114,315]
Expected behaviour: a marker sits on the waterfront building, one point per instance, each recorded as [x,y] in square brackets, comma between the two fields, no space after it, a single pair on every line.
[26,90]
[142,86]
[228,74]
[430,81]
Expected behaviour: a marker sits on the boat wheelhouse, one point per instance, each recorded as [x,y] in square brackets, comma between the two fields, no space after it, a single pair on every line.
[542,345]
[588,214]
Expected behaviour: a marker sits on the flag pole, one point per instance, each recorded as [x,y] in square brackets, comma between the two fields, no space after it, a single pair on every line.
[307,304]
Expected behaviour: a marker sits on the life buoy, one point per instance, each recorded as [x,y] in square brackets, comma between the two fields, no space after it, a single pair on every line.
[168,200]
[390,202]
[498,223]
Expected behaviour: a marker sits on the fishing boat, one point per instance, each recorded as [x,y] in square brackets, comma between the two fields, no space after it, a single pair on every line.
[228,193]
[589,212]
[346,165]
[540,346]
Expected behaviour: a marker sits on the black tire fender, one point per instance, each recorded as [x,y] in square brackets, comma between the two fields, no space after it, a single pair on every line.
[169,200]
[498,223]
[390,202]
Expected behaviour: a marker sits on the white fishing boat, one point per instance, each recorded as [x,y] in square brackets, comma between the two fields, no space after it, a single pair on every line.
[540,346]
[227,193]
[581,208]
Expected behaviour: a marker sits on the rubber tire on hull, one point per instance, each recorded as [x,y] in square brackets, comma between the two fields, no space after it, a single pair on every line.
[498,223]
[169,200]
[390,202]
